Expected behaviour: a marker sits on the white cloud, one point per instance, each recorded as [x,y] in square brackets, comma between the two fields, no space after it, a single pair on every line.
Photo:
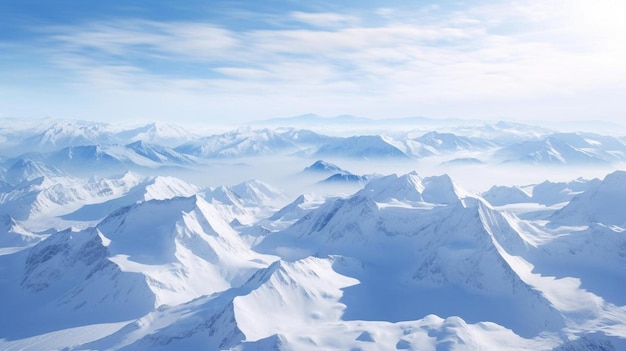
[485,55]
[324,19]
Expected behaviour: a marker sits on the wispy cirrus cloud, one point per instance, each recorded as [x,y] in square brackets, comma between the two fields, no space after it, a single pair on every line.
[400,63]
[324,19]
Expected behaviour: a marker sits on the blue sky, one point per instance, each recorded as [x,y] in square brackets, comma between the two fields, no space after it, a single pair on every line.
[234,61]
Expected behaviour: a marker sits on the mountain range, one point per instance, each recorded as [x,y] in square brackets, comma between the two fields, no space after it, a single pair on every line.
[102,249]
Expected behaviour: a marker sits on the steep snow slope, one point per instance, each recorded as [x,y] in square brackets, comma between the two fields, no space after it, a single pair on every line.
[146,188]
[85,200]
[65,281]
[108,159]
[285,296]
[550,193]
[596,255]
[140,257]
[40,196]
[603,203]
[444,242]
[182,247]
[246,202]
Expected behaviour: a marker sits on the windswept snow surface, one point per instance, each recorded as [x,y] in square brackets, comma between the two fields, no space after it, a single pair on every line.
[102,249]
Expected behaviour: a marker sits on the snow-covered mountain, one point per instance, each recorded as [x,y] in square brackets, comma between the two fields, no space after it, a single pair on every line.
[323,167]
[346,178]
[504,133]
[160,154]
[239,143]
[140,257]
[86,200]
[70,133]
[140,260]
[444,242]
[565,148]
[602,203]
[157,133]
[116,158]
[100,159]
[246,202]
[546,193]
[361,147]
[550,193]
[26,169]
[181,245]
[503,195]
[449,142]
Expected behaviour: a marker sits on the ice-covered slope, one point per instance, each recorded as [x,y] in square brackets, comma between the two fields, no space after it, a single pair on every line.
[285,298]
[181,245]
[602,203]
[140,257]
[421,238]
[65,281]
[596,255]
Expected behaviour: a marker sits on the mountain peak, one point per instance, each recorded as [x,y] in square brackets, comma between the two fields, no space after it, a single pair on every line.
[258,193]
[602,203]
[442,190]
[411,187]
[407,187]
[321,166]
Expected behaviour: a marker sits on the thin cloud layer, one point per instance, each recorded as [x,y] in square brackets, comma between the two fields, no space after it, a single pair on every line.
[377,63]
